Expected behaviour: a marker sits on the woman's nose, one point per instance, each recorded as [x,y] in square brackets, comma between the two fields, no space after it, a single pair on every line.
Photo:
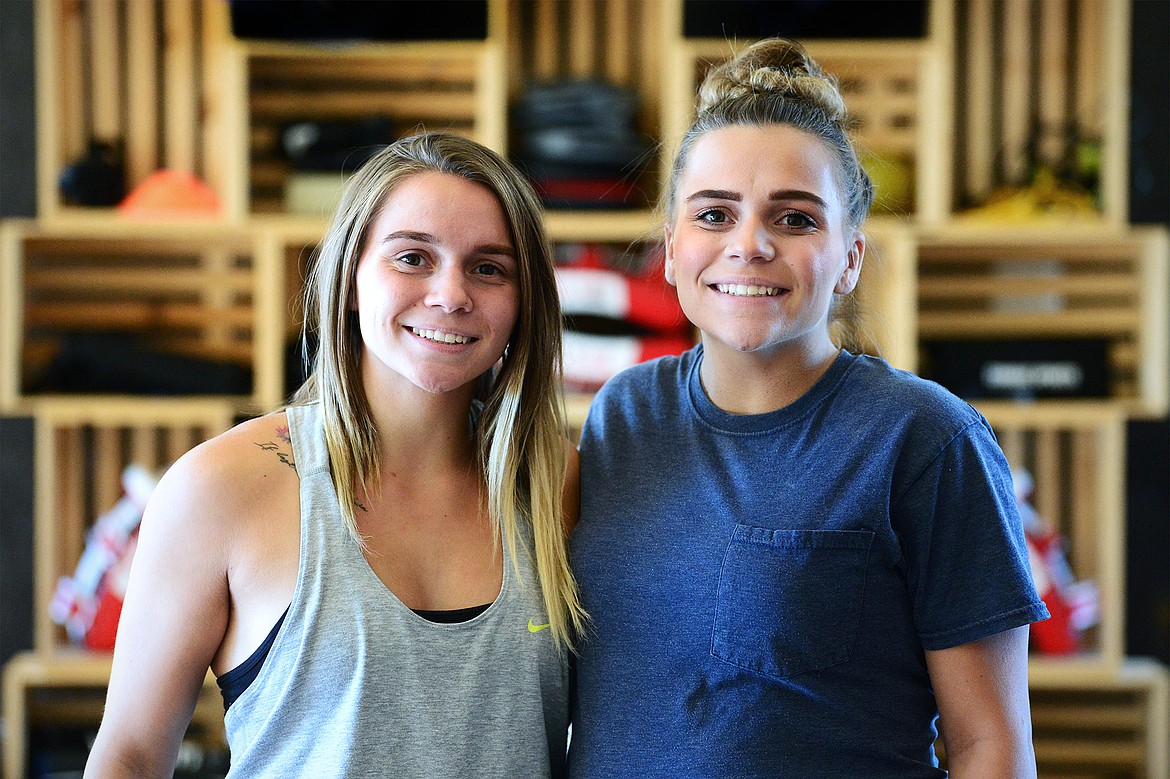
[449,291]
[751,242]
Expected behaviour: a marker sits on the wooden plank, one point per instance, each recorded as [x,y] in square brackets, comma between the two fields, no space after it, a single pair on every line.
[1011,441]
[49,94]
[216,298]
[180,120]
[888,294]
[988,324]
[215,412]
[112,281]
[1090,86]
[970,287]
[105,70]
[73,114]
[268,325]
[51,501]
[1085,473]
[1157,735]
[1099,754]
[176,443]
[546,40]
[657,28]
[1097,716]
[1115,178]
[1109,561]
[1014,72]
[582,37]
[491,123]
[11,312]
[142,66]
[143,446]
[385,72]
[617,21]
[71,506]
[292,103]
[224,106]
[15,718]
[1053,75]
[106,477]
[147,317]
[1046,471]
[978,136]
[1153,332]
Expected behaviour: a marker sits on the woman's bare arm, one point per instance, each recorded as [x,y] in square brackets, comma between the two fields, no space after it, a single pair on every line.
[173,621]
[982,693]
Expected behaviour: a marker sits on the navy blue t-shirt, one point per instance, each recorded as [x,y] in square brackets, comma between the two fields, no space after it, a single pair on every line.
[762,587]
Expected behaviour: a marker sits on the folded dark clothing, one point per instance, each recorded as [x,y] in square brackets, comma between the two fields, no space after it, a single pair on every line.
[541,169]
[576,103]
[119,363]
[341,146]
[584,147]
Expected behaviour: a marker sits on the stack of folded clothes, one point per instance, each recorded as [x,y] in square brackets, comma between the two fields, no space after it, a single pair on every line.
[577,141]
[615,318]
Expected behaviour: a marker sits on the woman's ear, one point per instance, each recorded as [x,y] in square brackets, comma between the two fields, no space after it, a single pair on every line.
[668,263]
[853,258]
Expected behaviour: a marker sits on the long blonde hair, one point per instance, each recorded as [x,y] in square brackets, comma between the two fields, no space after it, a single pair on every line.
[520,436]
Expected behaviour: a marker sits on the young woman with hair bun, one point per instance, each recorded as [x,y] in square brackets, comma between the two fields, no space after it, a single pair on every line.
[798,560]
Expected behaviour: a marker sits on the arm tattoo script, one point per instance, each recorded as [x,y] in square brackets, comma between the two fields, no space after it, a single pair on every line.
[271,446]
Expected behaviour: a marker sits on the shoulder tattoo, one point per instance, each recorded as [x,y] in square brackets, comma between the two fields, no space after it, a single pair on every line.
[285,457]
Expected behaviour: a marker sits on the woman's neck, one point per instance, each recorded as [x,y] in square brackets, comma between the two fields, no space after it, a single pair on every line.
[759,382]
[423,429]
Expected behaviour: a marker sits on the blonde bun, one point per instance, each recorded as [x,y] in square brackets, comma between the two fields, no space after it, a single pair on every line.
[773,67]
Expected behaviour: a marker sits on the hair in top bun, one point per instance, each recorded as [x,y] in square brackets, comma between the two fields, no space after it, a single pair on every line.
[775,81]
[775,66]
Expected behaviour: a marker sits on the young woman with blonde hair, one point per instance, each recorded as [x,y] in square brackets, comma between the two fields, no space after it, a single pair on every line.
[377,573]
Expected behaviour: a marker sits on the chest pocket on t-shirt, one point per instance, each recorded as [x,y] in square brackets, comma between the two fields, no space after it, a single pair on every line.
[789,601]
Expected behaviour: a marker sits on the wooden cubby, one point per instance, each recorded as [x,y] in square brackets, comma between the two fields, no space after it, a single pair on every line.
[170,82]
[1076,458]
[1103,724]
[81,450]
[1048,282]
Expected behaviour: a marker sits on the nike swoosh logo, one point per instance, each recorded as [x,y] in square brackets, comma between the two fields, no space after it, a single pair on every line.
[534,628]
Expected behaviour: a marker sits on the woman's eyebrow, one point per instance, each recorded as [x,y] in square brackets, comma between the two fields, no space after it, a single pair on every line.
[500,249]
[715,194]
[496,248]
[409,235]
[797,194]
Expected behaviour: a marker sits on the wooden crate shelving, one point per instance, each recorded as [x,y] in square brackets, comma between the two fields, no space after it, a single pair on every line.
[81,451]
[893,90]
[200,289]
[68,687]
[1031,82]
[171,84]
[1056,283]
[154,77]
[435,86]
[1075,455]
[1105,725]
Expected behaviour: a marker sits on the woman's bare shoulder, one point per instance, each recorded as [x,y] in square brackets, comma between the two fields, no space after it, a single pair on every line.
[235,474]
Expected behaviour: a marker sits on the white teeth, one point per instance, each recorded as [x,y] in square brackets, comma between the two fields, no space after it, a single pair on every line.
[747,290]
[440,336]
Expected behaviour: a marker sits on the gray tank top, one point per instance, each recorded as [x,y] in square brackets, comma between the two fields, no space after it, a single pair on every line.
[358,685]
